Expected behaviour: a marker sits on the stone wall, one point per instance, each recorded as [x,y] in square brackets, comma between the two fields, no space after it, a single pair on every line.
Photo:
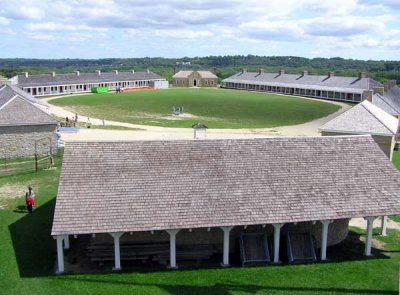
[337,232]
[200,82]
[19,141]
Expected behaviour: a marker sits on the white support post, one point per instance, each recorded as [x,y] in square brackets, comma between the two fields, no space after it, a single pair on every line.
[226,230]
[384,226]
[172,247]
[324,237]
[117,252]
[60,255]
[277,238]
[66,242]
[368,240]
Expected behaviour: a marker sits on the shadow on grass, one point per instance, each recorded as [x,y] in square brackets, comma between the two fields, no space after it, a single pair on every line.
[33,246]
[21,209]
[222,289]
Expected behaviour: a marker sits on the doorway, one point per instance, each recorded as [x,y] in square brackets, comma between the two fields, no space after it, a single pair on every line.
[194,82]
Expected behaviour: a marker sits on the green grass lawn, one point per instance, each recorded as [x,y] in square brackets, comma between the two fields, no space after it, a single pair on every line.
[217,108]
[28,254]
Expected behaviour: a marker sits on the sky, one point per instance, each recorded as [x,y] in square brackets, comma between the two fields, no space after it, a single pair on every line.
[359,29]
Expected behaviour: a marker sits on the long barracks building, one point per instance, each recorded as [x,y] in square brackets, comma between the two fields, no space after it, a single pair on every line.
[331,87]
[54,84]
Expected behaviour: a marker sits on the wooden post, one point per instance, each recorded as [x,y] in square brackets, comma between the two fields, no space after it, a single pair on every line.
[36,158]
[384,226]
[117,253]
[66,242]
[172,247]
[226,230]
[60,255]
[324,237]
[277,237]
[368,240]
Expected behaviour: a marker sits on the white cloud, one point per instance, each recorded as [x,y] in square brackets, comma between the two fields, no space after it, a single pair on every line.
[199,24]
[59,27]
[4,21]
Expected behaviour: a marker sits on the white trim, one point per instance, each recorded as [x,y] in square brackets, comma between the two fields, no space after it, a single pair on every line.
[352,132]
[8,101]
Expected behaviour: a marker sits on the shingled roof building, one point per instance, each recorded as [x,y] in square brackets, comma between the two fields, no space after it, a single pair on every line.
[24,121]
[194,79]
[221,188]
[51,84]
[331,87]
[366,118]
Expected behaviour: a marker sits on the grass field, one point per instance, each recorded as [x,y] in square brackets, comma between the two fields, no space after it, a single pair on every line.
[216,108]
[27,261]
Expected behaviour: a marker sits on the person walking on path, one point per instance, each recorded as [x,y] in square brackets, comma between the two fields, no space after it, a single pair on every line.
[30,200]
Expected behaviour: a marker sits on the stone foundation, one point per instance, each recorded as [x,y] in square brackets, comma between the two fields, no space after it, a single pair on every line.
[19,141]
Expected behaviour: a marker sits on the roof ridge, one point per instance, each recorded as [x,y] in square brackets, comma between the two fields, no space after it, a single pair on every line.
[383,97]
[376,116]
[339,115]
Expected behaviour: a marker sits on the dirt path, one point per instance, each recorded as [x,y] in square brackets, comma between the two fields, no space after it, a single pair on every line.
[362,223]
[164,133]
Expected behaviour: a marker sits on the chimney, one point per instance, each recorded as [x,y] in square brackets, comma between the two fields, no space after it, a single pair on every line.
[148,71]
[331,74]
[244,70]
[116,72]
[174,70]
[133,71]
[281,72]
[261,71]
[98,72]
[386,87]
[53,74]
[305,73]
[379,90]
[26,74]
[390,84]
[362,75]
[367,95]
[78,73]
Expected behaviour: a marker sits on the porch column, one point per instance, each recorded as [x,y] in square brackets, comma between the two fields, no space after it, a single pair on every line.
[384,226]
[117,254]
[66,242]
[277,238]
[172,247]
[226,230]
[368,240]
[60,255]
[324,237]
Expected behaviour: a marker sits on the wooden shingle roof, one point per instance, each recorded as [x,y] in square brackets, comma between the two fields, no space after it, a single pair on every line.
[17,109]
[157,185]
[364,118]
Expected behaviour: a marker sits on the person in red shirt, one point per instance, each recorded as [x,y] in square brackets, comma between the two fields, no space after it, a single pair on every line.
[30,202]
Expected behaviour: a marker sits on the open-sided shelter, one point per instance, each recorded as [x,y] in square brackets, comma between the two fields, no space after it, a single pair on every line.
[212,190]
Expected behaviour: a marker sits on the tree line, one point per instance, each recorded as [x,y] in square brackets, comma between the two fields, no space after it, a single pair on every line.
[222,66]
